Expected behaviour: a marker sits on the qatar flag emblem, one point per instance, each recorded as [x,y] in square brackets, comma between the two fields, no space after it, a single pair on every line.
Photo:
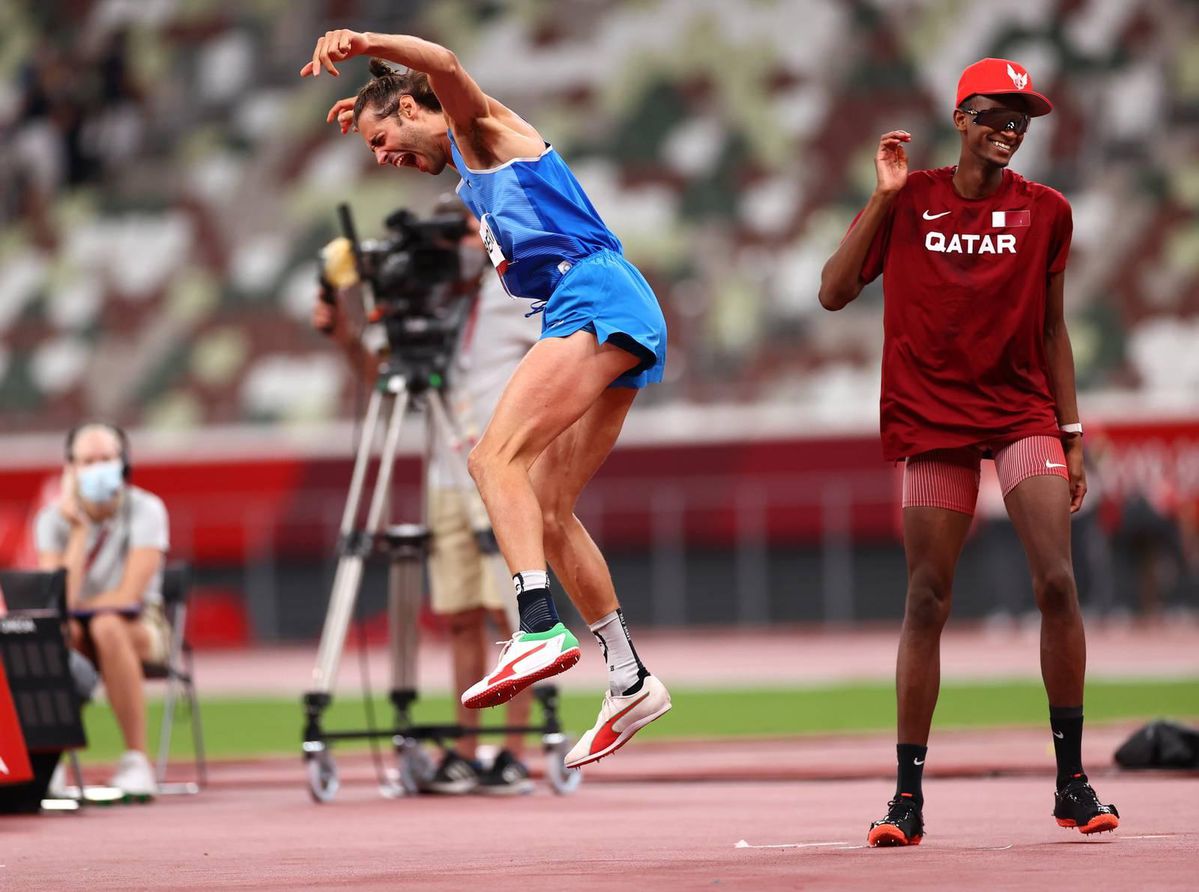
[1010,219]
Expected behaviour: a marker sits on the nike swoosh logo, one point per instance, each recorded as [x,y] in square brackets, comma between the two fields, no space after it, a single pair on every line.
[509,670]
[928,216]
[917,761]
[1059,735]
[607,734]
[1050,464]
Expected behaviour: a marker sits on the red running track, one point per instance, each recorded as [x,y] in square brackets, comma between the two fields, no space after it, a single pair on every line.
[256,829]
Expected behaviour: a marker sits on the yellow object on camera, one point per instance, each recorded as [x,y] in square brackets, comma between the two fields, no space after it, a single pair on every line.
[337,264]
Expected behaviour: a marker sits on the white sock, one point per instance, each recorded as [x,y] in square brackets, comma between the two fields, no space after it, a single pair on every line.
[527,580]
[625,670]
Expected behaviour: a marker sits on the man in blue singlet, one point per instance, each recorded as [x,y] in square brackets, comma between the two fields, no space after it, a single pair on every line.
[603,338]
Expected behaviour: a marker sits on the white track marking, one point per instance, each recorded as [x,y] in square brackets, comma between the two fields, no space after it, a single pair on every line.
[742,844]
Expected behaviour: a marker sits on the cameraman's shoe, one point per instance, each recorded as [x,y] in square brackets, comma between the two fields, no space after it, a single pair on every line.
[1076,805]
[455,776]
[527,657]
[507,776]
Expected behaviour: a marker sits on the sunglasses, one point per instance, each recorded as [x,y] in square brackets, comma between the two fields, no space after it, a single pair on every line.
[999,119]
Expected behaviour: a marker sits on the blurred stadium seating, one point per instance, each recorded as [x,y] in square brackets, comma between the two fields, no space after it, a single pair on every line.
[168,179]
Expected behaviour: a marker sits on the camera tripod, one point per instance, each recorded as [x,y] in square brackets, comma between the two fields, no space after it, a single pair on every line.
[404,384]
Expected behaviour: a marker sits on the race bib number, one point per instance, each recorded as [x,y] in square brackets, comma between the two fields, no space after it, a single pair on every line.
[492,245]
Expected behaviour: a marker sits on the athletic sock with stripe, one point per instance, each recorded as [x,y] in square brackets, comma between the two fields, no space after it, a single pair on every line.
[533,599]
[626,672]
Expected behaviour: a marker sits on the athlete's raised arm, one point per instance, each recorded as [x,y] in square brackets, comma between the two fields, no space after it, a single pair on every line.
[461,98]
[841,278]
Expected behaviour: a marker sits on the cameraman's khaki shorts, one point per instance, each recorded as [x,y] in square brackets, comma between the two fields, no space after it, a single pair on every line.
[459,577]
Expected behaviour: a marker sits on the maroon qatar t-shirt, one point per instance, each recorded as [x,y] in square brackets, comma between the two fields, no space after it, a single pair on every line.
[964,285]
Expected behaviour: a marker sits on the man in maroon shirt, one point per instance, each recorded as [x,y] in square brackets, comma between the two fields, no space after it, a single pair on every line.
[976,364]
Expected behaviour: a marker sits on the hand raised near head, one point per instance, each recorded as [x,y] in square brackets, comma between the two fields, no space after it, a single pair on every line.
[342,114]
[335,46]
[891,161]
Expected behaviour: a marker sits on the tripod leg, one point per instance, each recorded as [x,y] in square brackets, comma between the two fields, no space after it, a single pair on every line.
[449,434]
[391,443]
[365,446]
[349,567]
[403,619]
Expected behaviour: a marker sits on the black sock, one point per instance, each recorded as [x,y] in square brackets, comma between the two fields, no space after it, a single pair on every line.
[537,611]
[910,758]
[1066,723]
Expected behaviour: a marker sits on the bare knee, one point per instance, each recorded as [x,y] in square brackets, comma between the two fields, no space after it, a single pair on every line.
[108,632]
[1055,591]
[928,603]
[478,462]
[465,623]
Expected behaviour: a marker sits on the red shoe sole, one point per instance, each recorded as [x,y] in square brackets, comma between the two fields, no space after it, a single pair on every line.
[888,836]
[1097,824]
[505,690]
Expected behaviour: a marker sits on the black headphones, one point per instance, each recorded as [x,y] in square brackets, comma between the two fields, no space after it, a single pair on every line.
[126,467]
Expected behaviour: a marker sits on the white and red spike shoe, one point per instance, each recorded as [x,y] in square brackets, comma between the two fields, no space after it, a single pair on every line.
[527,657]
[619,719]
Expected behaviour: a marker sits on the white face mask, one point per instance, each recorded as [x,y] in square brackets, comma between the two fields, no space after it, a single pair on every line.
[100,483]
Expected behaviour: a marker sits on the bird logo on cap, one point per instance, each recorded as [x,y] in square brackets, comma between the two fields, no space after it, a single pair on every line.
[1020,80]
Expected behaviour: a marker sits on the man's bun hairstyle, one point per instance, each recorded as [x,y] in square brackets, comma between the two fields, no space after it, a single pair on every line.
[382,93]
[379,68]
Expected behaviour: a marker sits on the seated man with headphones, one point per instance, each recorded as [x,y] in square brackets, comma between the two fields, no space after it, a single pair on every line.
[112,538]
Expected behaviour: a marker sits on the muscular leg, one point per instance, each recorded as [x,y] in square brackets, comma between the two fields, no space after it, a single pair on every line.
[1040,511]
[556,383]
[468,654]
[121,645]
[932,541]
[558,478]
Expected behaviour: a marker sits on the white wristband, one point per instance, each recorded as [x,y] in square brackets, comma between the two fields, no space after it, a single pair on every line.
[1074,428]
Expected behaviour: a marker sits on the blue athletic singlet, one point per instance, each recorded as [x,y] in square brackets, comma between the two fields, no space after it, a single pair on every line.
[549,244]
[538,216]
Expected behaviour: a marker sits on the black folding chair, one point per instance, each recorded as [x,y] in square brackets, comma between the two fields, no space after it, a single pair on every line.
[44,592]
[35,590]
[177,671]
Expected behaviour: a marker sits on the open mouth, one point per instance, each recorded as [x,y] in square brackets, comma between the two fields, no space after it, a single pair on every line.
[1002,146]
[405,159]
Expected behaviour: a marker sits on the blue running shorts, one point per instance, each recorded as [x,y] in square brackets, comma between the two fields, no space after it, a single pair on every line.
[608,296]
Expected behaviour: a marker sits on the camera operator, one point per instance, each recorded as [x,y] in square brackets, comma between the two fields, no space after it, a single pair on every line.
[463,589]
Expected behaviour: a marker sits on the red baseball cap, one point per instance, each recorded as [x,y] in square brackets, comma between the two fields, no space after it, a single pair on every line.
[997,77]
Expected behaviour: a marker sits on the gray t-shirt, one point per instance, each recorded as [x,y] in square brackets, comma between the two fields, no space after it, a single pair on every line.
[140,522]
